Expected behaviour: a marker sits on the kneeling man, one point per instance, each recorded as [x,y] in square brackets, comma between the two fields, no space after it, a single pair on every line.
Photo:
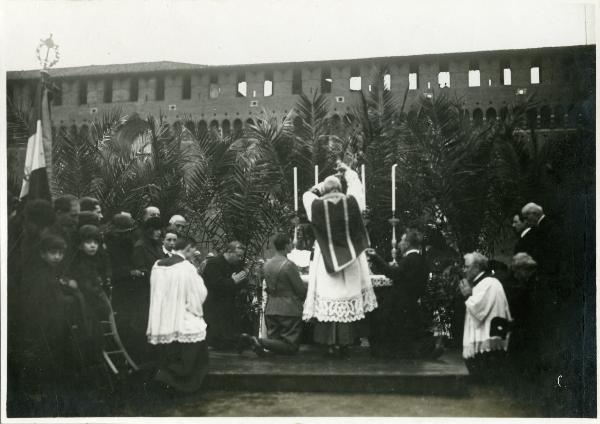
[283,313]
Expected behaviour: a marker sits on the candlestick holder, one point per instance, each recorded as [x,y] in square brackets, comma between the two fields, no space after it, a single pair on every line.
[394,222]
[365,216]
[295,222]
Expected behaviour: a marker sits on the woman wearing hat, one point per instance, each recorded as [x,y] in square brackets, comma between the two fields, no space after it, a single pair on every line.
[146,251]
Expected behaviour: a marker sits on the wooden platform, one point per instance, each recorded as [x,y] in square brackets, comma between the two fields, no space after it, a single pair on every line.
[309,371]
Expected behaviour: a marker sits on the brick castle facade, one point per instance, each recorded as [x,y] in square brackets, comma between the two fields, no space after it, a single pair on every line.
[226,97]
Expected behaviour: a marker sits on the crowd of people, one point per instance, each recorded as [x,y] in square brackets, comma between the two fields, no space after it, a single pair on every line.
[69,271]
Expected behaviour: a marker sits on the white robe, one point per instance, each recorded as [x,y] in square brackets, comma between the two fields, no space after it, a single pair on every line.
[343,296]
[487,302]
[177,293]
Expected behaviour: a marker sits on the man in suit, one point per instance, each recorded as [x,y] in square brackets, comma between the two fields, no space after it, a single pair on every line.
[546,251]
[525,233]
[407,327]
[283,313]
[224,276]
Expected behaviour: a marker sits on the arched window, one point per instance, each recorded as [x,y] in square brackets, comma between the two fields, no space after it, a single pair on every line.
[238,127]
[214,126]
[191,127]
[73,132]
[503,113]
[226,126]
[490,114]
[545,116]
[532,117]
[202,127]
[559,116]
[249,122]
[478,117]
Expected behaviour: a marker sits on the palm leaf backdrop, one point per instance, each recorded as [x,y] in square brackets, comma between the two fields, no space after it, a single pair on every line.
[463,178]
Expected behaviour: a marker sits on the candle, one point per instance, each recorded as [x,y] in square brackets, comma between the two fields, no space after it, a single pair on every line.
[394,187]
[364,181]
[316,174]
[296,189]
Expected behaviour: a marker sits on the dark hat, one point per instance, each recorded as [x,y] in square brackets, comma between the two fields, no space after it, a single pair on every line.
[88,218]
[89,232]
[122,223]
[153,223]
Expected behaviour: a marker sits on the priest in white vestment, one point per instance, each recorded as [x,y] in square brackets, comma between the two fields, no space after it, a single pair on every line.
[487,319]
[339,284]
[176,319]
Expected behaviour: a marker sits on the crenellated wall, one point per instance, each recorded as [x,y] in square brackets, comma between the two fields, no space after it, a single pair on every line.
[567,78]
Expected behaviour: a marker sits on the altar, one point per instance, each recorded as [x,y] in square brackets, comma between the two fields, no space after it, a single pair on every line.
[302,260]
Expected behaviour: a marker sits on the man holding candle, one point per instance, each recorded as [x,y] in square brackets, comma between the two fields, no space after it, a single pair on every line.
[339,285]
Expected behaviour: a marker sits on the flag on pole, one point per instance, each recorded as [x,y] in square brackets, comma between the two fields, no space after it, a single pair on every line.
[38,158]
[35,179]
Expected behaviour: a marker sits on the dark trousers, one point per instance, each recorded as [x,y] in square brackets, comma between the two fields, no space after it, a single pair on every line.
[382,329]
[283,334]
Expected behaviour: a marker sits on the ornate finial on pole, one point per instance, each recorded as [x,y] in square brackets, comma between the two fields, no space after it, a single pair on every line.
[49,50]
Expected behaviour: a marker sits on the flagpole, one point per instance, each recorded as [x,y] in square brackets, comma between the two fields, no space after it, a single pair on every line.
[50,58]
[46,119]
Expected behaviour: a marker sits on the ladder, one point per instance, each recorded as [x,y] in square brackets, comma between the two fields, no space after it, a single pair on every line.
[114,348]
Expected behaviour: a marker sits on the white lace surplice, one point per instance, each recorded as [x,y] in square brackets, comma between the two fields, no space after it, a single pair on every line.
[487,302]
[177,293]
[343,296]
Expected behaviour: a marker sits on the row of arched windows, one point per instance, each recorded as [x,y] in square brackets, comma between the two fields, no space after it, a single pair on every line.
[544,117]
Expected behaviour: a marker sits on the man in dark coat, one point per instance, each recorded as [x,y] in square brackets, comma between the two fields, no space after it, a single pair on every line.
[407,326]
[526,242]
[224,276]
[286,294]
[546,252]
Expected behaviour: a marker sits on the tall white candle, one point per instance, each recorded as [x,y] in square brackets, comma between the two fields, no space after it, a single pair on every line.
[364,181]
[316,174]
[394,187]
[296,189]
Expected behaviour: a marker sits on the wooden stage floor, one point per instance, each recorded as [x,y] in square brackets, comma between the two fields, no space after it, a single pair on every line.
[309,371]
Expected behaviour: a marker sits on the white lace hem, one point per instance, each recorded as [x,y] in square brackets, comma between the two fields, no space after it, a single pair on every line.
[343,310]
[496,343]
[176,337]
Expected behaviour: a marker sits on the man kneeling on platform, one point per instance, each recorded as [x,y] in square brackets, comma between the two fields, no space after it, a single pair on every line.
[406,332]
[283,313]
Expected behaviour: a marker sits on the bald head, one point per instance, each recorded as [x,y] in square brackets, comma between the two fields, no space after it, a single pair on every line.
[532,213]
[332,184]
[151,212]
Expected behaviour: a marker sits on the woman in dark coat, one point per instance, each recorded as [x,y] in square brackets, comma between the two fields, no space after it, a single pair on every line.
[146,251]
